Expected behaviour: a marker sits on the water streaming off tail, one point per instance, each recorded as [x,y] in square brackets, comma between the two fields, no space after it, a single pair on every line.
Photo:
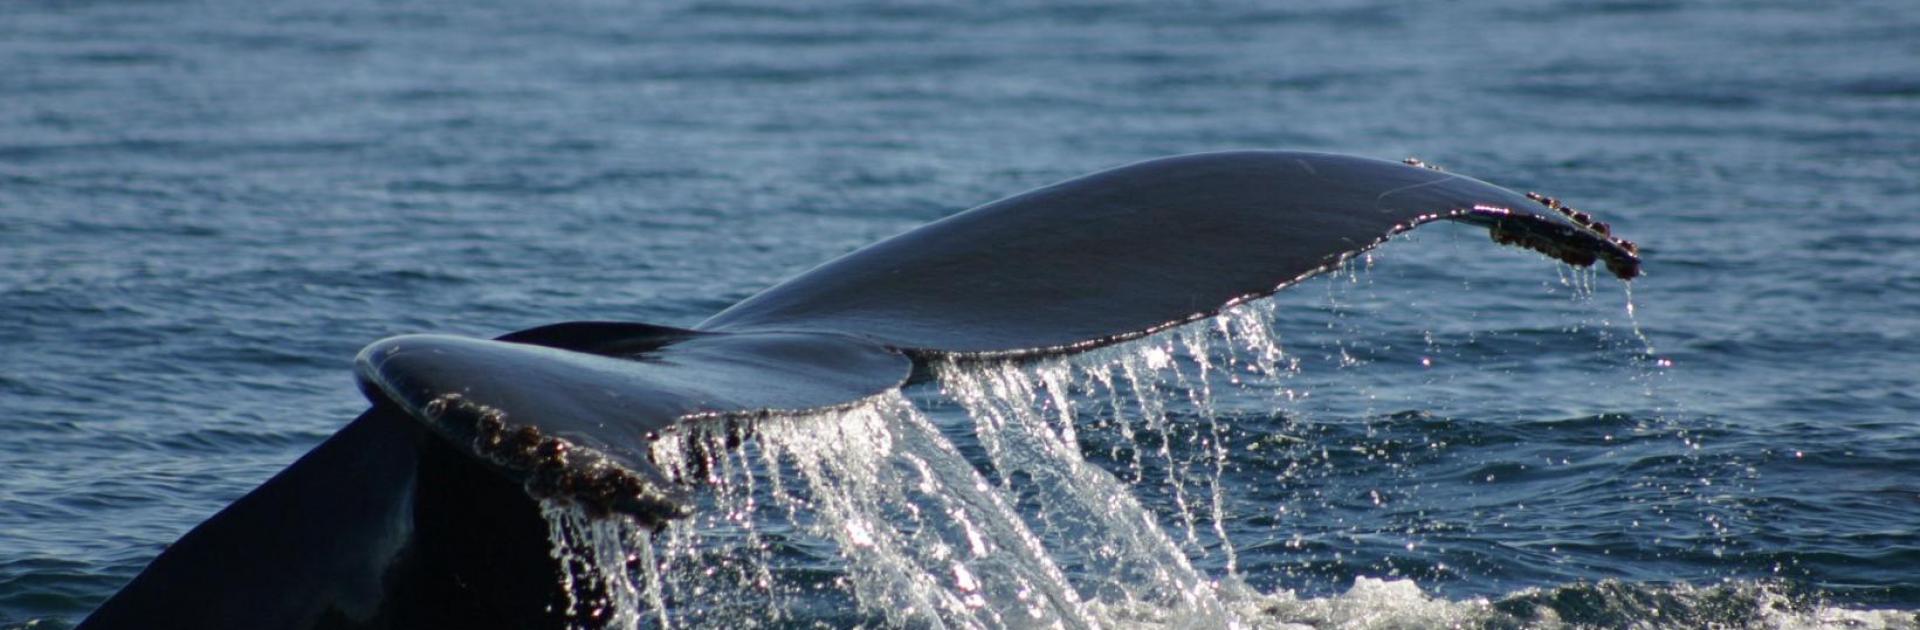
[870,506]
[1093,491]
[1130,486]
[1116,551]
[927,539]
[876,509]
[1107,489]
[597,557]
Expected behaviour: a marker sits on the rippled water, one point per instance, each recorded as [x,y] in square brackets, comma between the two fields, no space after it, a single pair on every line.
[207,207]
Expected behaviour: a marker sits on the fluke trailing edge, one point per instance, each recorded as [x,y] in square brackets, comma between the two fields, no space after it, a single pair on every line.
[422,512]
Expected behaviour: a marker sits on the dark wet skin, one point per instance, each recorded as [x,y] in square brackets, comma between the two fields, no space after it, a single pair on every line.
[422,513]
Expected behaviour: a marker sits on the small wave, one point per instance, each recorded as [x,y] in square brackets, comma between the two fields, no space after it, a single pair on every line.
[1383,604]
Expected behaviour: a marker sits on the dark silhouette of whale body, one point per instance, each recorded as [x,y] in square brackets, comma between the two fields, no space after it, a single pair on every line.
[423,511]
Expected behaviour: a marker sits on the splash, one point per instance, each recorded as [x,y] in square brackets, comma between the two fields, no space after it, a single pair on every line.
[875,496]
[913,534]
[925,538]
[596,557]
[1117,552]
[1113,546]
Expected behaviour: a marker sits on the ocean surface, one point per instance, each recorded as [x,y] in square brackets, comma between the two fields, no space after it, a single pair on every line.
[206,209]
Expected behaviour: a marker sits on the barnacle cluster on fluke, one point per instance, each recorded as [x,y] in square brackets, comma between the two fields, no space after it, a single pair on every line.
[1581,242]
[1598,227]
[551,467]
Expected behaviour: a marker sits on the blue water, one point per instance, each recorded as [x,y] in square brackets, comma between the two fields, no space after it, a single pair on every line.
[206,208]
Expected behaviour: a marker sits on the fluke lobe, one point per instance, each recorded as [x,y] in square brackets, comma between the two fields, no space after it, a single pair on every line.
[423,512]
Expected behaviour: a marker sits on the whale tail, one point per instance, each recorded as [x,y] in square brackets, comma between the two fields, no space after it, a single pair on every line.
[421,512]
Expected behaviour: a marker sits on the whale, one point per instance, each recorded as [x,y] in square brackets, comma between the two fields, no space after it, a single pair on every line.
[424,511]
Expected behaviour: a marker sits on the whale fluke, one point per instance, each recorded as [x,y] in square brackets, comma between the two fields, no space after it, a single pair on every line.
[1125,252]
[422,512]
[576,425]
